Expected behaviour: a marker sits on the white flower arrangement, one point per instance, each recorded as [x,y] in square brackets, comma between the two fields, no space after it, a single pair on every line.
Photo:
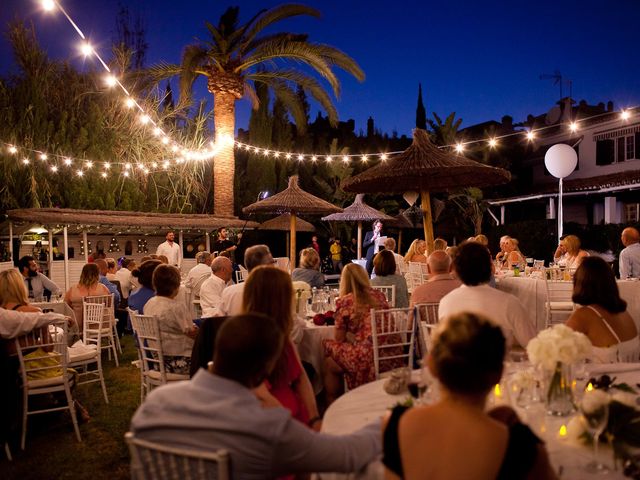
[558,344]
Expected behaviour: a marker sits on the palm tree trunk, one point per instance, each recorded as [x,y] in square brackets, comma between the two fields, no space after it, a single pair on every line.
[224,104]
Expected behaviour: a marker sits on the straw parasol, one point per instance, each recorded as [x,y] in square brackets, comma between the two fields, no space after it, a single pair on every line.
[425,168]
[358,211]
[292,200]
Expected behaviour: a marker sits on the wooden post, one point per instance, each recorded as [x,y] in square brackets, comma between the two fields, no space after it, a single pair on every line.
[11,239]
[86,246]
[427,219]
[207,241]
[399,241]
[359,239]
[66,258]
[292,246]
[50,253]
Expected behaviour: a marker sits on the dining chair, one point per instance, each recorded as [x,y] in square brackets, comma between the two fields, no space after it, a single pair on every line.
[109,330]
[81,358]
[428,321]
[42,354]
[389,292]
[241,275]
[558,304]
[149,344]
[152,461]
[393,335]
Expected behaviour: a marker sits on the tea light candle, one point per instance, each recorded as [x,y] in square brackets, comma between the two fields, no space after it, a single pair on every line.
[589,387]
[562,433]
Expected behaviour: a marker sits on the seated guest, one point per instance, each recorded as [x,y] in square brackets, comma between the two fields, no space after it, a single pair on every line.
[603,316]
[211,291]
[144,275]
[401,266]
[198,274]
[176,327]
[510,254]
[88,286]
[439,244]
[220,409]
[427,441]
[309,269]
[123,275]
[112,268]
[569,254]
[482,240]
[630,254]
[34,281]
[231,303]
[13,295]
[473,267]
[113,289]
[440,282]
[384,266]
[350,353]
[270,291]
[416,252]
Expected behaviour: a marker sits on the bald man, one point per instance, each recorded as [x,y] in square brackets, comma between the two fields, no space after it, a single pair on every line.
[211,289]
[440,282]
[630,255]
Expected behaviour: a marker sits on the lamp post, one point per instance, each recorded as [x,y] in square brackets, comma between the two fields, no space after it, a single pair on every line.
[561,161]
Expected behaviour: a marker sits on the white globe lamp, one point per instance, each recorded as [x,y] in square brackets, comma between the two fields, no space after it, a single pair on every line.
[561,160]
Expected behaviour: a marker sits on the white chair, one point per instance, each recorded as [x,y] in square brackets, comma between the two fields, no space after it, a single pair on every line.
[282,263]
[45,372]
[428,317]
[7,451]
[241,275]
[137,363]
[109,330]
[197,308]
[151,461]
[393,335]
[149,343]
[558,304]
[417,274]
[389,292]
[81,358]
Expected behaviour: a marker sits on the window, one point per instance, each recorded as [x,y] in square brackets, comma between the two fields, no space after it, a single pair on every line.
[605,152]
[630,150]
[632,212]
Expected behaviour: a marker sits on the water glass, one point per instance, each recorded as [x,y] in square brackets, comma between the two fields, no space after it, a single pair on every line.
[594,420]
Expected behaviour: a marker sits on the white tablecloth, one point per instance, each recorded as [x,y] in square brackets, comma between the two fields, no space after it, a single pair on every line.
[369,402]
[310,349]
[532,293]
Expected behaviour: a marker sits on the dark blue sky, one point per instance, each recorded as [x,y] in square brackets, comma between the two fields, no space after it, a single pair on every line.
[481,59]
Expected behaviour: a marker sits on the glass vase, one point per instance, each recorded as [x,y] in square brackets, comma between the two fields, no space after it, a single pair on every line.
[559,392]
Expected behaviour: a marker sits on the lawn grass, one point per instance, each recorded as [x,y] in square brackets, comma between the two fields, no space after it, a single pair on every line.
[52,451]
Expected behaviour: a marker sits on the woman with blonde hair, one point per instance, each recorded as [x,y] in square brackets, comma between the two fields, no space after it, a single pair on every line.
[416,252]
[88,286]
[309,269]
[13,294]
[510,254]
[569,252]
[350,353]
[269,291]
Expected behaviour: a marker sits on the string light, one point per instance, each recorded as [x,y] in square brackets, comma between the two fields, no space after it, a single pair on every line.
[573,126]
[530,135]
[86,49]
[48,5]
[459,148]
[493,143]
[13,150]
[129,102]
[624,115]
[110,81]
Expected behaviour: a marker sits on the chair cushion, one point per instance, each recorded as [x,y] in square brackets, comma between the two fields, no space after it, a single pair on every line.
[155,375]
[48,382]
[82,355]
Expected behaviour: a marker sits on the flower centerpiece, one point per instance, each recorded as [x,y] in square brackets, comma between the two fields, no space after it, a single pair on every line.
[555,350]
[302,292]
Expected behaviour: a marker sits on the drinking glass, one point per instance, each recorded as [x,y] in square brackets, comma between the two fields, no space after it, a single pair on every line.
[595,420]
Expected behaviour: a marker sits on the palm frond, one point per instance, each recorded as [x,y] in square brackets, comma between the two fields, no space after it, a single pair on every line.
[340,59]
[251,94]
[267,17]
[193,58]
[291,102]
[218,39]
[281,36]
[162,71]
[298,51]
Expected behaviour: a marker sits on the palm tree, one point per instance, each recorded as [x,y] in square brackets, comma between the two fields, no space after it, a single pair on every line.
[237,57]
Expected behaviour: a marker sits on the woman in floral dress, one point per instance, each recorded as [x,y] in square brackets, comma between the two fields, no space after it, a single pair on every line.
[351,352]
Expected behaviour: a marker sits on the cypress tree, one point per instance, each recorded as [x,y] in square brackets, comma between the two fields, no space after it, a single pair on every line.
[421,113]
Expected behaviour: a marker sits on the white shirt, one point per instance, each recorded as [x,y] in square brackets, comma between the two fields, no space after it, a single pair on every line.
[231,303]
[196,276]
[124,277]
[13,324]
[172,251]
[502,308]
[630,261]
[211,296]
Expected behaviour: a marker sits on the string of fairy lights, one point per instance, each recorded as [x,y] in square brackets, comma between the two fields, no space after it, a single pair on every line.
[56,163]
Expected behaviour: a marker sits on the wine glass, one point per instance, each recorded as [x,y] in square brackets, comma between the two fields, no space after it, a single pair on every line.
[594,415]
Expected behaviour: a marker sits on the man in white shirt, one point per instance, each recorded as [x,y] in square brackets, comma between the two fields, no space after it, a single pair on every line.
[34,281]
[171,250]
[231,303]
[199,274]
[630,255]
[473,266]
[123,275]
[212,288]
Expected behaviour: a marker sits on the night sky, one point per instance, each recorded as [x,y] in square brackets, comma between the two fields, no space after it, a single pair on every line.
[480,59]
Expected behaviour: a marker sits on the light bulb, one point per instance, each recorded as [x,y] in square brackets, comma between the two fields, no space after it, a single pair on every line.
[300,158]
[365,159]
[573,126]
[144,119]
[43,157]
[104,174]
[345,159]
[67,161]
[13,149]
[129,102]
[107,165]
[48,5]
[86,49]
[530,135]
[110,81]
[383,157]
[624,115]
[493,143]
[54,168]
[25,161]
[329,158]
[80,173]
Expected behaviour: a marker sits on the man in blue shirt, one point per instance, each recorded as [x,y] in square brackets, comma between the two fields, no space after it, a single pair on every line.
[229,408]
[102,265]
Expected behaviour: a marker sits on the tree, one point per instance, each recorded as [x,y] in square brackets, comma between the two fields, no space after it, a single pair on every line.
[445,132]
[238,57]
[421,113]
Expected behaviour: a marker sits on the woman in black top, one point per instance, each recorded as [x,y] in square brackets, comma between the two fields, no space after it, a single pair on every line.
[456,438]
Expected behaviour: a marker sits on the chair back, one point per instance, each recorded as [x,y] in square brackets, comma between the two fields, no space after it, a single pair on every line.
[389,292]
[428,317]
[392,335]
[152,461]
[241,275]
[108,311]
[147,332]
[94,323]
[42,353]
[559,290]
[282,263]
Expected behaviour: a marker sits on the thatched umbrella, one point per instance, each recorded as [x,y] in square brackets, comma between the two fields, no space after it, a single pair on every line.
[292,200]
[283,223]
[358,211]
[425,168]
